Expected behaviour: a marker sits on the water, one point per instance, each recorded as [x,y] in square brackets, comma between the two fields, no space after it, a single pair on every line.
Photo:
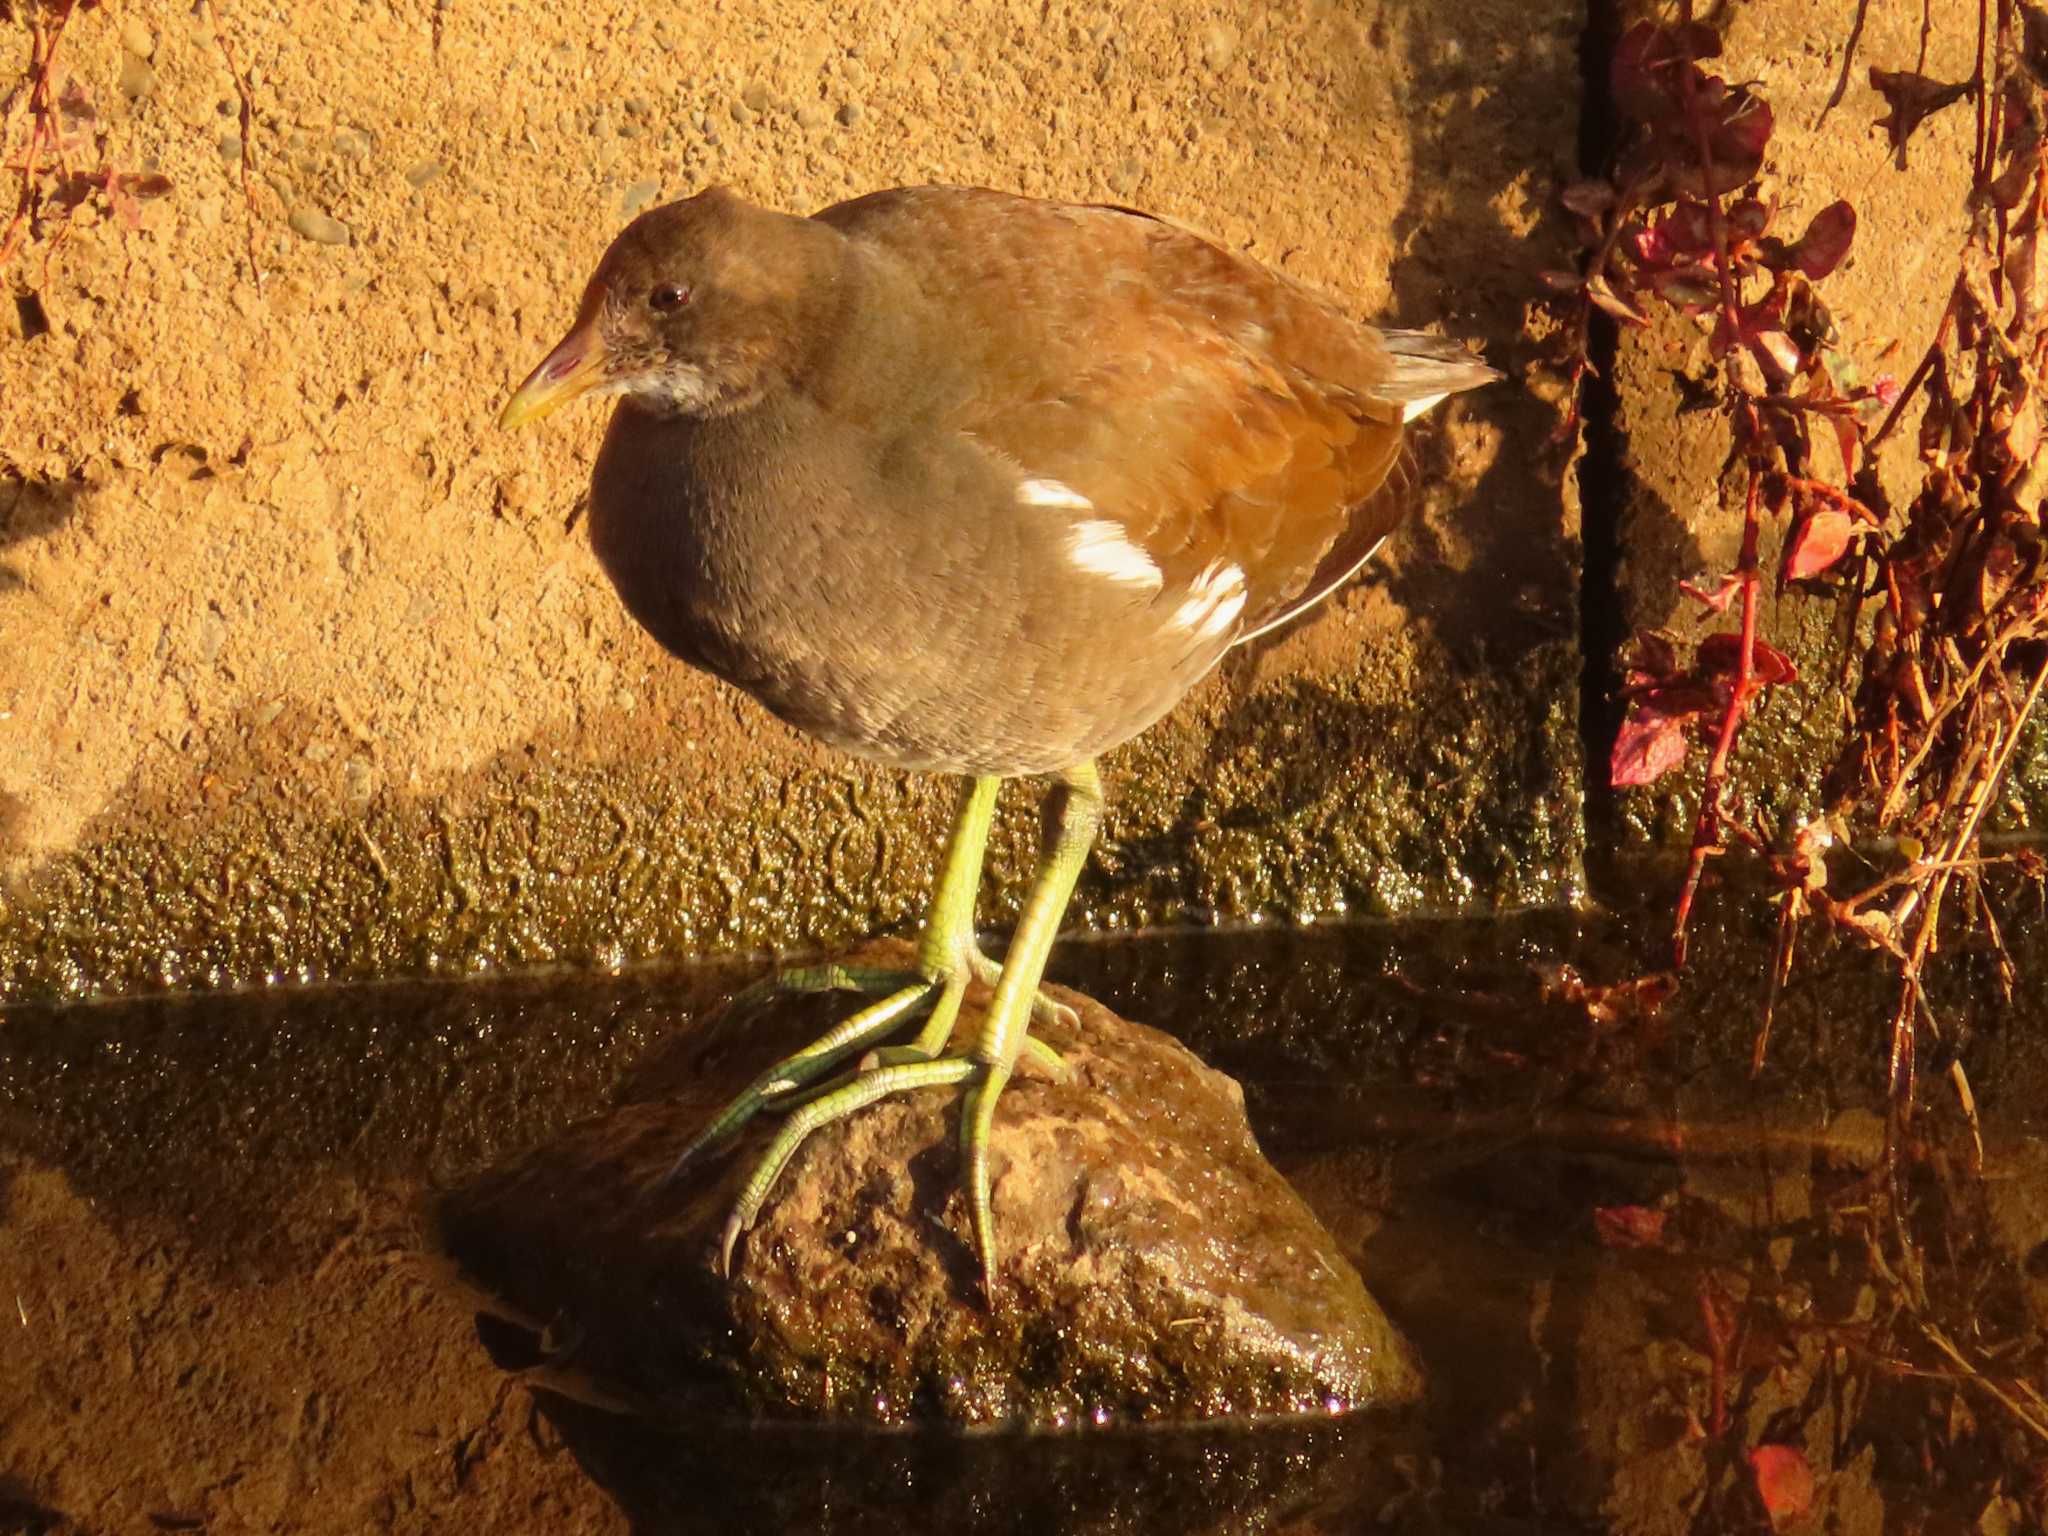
[1626,1265]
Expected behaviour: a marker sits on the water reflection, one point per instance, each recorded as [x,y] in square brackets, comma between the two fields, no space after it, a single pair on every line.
[1627,1266]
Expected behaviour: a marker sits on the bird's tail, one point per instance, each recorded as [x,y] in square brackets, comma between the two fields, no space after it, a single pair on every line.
[1426,367]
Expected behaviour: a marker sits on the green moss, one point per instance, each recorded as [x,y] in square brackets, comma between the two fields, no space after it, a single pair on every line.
[1309,799]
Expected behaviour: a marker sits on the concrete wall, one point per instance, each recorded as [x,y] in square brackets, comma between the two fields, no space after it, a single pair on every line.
[305,670]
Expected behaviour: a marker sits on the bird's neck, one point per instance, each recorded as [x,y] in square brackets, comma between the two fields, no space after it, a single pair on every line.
[878,346]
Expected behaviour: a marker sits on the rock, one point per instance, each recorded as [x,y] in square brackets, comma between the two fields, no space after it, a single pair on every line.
[358,782]
[136,38]
[638,196]
[849,114]
[420,172]
[1219,47]
[319,227]
[1154,1267]
[137,78]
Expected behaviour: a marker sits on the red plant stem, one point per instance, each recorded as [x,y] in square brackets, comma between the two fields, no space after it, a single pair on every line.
[1981,150]
[1706,832]
[246,120]
[42,112]
[1834,494]
[1997,141]
[1919,378]
[1716,222]
[1717,1362]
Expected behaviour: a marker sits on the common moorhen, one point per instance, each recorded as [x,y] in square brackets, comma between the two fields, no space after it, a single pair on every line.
[976,484]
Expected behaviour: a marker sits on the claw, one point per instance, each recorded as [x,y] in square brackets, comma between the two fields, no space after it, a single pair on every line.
[977,1121]
[733,1228]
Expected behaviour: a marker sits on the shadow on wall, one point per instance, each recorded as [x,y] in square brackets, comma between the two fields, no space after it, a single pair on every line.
[1493,574]
[1307,796]
[31,509]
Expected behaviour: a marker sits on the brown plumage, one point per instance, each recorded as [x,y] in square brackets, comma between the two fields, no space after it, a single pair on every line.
[977,483]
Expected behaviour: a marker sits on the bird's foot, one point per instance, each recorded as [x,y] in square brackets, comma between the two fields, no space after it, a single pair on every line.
[947,960]
[901,996]
[882,1074]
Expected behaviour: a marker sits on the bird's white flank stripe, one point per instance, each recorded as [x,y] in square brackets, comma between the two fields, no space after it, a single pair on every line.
[1051,493]
[1216,598]
[1101,548]
[1415,408]
[1220,617]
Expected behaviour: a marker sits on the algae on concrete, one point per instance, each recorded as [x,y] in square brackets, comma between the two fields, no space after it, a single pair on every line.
[1313,798]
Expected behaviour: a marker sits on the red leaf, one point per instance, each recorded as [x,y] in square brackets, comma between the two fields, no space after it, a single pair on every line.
[1817,541]
[1778,352]
[1649,745]
[2013,184]
[1687,287]
[1687,230]
[144,184]
[1591,198]
[1629,1226]
[1771,665]
[1646,61]
[1719,655]
[1740,126]
[1848,439]
[1718,599]
[1602,293]
[1913,99]
[1652,659]
[1747,218]
[1784,1481]
[1826,241]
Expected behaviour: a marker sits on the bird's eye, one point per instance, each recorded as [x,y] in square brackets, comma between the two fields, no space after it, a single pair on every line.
[669,296]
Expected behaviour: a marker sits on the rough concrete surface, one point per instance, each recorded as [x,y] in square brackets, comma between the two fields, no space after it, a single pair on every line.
[308,671]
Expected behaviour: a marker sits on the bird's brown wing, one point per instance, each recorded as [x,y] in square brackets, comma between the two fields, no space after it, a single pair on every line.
[1212,410]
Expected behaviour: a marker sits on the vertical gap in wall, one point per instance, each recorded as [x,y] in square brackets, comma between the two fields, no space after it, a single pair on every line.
[1602,482]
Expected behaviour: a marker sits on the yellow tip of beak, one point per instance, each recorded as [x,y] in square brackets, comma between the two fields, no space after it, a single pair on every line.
[573,368]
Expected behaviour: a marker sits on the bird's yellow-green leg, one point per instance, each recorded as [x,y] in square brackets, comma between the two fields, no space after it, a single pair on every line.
[1004,1036]
[946,958]
[935,985]
[946,947]
[1005,1030]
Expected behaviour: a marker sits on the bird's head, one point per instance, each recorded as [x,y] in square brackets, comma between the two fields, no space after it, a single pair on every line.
[689,313]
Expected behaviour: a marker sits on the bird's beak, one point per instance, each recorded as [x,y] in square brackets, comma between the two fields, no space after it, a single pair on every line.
[572,369]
